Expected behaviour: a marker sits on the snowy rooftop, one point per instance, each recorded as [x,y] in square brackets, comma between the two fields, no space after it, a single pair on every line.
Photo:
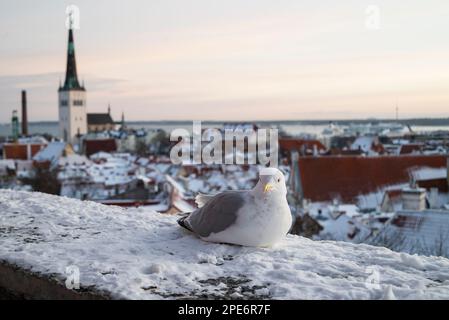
[138,254]
[423,232]
[430,173]
[51,153]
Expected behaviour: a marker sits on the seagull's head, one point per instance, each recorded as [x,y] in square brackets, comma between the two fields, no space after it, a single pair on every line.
[271,183]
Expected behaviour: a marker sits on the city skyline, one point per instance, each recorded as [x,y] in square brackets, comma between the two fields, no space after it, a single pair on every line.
[212,60]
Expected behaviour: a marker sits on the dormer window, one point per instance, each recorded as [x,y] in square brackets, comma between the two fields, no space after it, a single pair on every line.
[78,103]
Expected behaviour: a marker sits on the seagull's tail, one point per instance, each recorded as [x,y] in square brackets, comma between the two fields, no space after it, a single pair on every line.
[183,223]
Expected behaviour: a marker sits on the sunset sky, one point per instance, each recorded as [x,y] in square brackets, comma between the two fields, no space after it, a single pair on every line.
[230,59]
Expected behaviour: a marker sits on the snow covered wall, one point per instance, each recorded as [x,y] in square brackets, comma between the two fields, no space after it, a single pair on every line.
[137,254]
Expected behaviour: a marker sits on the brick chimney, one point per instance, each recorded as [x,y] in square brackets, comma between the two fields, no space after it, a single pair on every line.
[24,114]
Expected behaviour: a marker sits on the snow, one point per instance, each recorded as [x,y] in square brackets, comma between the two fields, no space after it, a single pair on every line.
[74,160]
[101,179]
[51,153]
[7,165]
[412,261]
[363,143]
[422,232]
[33,140]
[140,254]
[101,156]
[341,222]
[374,199]
[425,173]
[389,294]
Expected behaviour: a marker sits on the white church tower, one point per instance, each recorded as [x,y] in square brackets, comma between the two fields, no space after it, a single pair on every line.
[72,101]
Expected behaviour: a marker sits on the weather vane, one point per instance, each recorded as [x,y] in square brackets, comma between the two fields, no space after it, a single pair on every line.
[73,17]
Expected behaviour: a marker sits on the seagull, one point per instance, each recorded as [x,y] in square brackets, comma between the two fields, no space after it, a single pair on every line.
[256,218]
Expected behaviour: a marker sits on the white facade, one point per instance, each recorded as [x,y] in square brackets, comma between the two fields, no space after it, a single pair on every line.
[72,115]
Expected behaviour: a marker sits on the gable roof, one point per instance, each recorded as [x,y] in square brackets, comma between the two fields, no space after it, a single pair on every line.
[346,177]
[51,153]
[99,118]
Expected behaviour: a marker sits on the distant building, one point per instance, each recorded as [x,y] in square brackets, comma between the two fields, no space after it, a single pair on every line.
[74,121]
[391,201]
[49,156]
[369,145]
[302,146]
[97,145]
[424,232]
[347,177]
[412,148]
[98,122]
[22,151]
[72,100]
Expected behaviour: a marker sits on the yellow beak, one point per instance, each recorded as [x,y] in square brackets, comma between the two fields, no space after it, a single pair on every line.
[268,187]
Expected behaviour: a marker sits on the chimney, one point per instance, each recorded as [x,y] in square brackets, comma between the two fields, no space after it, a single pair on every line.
[295,179]
[414,199]
[24,114]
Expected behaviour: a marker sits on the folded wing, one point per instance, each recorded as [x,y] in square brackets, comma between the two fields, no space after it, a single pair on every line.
[218,213]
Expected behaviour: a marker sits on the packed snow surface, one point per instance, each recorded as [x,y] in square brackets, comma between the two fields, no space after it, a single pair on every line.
[140,254]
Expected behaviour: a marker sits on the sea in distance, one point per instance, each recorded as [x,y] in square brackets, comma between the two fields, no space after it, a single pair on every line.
[290,127]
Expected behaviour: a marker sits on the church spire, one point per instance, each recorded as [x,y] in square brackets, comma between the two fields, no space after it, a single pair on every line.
[71,78]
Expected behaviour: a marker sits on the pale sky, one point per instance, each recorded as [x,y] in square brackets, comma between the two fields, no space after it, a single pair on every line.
[230,59]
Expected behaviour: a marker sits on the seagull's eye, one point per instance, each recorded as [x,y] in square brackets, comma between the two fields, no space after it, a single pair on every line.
[279,179]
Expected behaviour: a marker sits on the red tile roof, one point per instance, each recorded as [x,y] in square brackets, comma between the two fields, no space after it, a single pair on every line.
[18,151]
[346,152]
[301,145]
[346,177]
[94,146]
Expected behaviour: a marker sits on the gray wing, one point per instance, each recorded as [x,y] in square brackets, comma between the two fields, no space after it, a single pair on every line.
[218,214]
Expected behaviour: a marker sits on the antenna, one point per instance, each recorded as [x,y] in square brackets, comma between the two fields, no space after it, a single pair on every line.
[397,110]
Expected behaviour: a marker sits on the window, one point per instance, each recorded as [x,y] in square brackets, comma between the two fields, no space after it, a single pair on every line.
[64,103]
[78,103]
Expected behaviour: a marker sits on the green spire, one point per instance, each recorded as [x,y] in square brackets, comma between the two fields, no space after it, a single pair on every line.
[71,77]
